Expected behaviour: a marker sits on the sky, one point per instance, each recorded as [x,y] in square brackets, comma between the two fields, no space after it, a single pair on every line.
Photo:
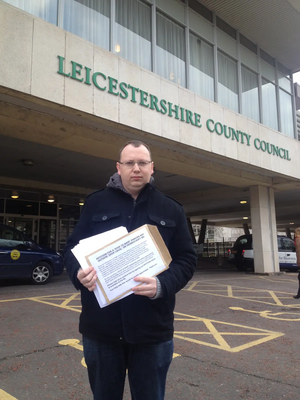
[296,77]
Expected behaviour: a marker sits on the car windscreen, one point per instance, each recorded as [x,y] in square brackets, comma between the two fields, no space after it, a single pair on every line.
[244,242]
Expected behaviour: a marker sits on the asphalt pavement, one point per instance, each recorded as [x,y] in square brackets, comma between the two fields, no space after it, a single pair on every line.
[236,337]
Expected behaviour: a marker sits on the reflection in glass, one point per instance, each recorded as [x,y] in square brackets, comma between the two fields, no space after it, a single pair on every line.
[44,9]
[201,68]
[133,32]
[227,84]
[285,82]
[286,113]
[250,94]
[170,50]
[269,107]
[88,19]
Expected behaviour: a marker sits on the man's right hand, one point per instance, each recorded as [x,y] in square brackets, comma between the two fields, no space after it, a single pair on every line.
[87,277]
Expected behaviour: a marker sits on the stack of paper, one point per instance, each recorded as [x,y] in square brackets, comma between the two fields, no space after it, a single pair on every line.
[119,256]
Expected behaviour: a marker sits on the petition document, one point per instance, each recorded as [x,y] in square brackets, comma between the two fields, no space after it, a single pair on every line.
[140,252]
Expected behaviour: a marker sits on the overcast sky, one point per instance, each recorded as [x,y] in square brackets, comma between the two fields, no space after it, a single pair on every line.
[296,77]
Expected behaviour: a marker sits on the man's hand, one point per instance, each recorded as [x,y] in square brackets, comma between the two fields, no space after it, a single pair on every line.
[149,288]
[88,278]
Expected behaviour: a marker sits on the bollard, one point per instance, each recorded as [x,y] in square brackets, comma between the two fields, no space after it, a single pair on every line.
[219,260]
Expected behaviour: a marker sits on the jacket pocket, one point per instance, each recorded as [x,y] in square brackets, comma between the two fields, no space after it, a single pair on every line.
[162,222]
[105,221]
[166,227]
[105,216]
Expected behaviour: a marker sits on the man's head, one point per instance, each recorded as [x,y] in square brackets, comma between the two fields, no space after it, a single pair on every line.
[135,166]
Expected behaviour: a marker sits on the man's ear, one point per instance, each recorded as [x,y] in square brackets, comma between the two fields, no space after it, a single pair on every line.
[153,168]
[118,168]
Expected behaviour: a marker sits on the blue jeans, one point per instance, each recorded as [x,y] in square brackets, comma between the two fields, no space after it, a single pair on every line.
[147,366]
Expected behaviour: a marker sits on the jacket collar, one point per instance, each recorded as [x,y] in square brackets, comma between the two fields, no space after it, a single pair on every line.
[115,182]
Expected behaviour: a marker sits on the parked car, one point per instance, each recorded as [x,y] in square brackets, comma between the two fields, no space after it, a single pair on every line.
[241,254]
[21,257]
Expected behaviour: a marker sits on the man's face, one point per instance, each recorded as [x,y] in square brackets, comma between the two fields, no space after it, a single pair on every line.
[135,178]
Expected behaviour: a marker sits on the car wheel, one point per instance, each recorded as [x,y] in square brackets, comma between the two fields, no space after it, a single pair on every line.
[41,274]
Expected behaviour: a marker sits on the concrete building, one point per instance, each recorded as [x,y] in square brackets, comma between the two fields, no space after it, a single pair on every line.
[207,84]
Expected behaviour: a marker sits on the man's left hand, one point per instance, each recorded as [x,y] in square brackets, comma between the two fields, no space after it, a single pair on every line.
[149,287]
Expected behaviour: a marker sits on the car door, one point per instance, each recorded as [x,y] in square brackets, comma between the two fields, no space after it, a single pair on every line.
[16,255]
[287,253]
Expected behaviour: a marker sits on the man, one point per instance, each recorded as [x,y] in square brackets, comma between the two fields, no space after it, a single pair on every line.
[135,333]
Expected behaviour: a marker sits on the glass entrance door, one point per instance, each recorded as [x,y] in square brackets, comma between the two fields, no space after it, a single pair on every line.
[47,233]
[28,226]
[42,231]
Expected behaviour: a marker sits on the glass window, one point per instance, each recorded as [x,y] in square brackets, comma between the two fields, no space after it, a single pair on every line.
[269,107]
[226,28]
[9,238]
[48,210]
[22,207]
[285,83]
[250,102]
[286,244]
[201,68]
[170,50]
[227,84]
[248,44]
[201,10]
[1,206]
[69,212]
[132,39]
[44,9]
[286,113]
[88,19]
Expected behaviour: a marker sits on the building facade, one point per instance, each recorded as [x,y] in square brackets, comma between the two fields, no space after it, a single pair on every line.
[215,102]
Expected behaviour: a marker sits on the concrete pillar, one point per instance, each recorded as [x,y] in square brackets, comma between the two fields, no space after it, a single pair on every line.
[288,232]
[191,230]
[246,229]
[202,231]
[264,231]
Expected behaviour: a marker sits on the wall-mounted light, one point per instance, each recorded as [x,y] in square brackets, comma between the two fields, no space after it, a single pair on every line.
[14,195]
[243,202]
[50,198]
[117,48]
[81,202]
[245,217]
[292,223]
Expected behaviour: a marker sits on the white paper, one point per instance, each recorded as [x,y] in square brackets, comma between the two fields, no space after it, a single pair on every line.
[88,245]
[118,257]
[119,263]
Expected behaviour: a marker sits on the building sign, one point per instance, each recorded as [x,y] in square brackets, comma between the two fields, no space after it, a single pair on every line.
[125,91]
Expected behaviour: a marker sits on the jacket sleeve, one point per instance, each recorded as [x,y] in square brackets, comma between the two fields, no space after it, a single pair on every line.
[184,259]
[81,231]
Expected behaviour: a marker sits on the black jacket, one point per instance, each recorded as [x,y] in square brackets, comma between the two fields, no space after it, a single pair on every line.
[135,319]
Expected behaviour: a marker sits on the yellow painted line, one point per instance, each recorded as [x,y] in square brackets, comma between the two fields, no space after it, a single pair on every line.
[254,295]
[218,338]
[271,315]
[276,299]
[6,396]
[67,301]
[229,291]
[57,305]
[63,296]
[72,343]
[193,284]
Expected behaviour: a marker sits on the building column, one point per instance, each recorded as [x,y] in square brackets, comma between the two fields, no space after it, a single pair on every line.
[264,230]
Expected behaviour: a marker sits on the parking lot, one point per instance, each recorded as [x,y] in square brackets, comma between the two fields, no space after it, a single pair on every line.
[236,337]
